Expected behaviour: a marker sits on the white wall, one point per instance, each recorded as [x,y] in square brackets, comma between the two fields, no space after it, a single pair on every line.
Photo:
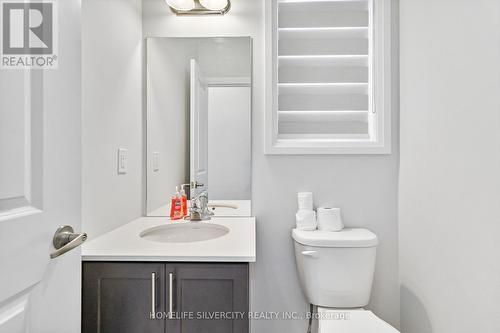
[229,143]
[111,112]
[167,117]
[364,186]
[450,166]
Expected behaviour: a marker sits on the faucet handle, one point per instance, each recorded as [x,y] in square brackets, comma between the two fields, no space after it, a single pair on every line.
[199,207]
[203,200]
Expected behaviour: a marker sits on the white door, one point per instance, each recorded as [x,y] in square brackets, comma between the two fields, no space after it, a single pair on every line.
[199,129]
[40,188]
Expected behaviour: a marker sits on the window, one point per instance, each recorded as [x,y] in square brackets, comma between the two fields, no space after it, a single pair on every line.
[328,77]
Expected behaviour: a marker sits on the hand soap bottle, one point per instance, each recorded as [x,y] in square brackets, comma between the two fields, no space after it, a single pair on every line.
[176,212]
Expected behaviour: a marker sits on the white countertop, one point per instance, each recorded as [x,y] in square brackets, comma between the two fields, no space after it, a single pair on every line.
[124,243]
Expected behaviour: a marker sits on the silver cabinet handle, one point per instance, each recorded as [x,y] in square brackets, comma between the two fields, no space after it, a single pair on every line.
[65,239]
[153,295]
[170,295]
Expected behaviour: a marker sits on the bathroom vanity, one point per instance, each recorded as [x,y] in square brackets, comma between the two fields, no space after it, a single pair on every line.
[136,297]
[155,275]
[132,280]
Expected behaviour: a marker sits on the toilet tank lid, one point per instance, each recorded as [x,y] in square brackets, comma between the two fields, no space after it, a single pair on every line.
[348,237]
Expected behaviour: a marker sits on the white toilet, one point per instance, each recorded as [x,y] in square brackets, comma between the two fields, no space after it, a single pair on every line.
[336,273]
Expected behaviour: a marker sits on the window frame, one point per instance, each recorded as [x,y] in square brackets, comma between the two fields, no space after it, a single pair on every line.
[380,124]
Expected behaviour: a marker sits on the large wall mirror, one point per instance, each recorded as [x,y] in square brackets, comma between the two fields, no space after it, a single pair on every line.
[199,93]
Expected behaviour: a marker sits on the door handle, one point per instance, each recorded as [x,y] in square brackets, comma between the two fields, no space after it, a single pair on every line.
[65,239]
[194,184]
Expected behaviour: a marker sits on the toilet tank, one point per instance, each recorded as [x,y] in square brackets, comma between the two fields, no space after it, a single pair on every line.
[336,268]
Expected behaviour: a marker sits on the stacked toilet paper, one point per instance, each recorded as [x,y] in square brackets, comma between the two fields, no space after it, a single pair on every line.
[306,216]
[305,200]
[327,218]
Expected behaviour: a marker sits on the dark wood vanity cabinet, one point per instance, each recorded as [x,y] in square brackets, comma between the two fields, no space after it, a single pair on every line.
[116,297]
[204,297]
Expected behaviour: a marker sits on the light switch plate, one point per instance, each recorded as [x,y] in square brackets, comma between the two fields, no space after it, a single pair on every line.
[156,161]
[122,160]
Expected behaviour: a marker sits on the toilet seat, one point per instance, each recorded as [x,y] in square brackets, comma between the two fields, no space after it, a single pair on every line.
[351,321]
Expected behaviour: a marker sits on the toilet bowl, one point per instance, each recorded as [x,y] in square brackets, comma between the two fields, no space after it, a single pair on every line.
[351,321]
[336,273]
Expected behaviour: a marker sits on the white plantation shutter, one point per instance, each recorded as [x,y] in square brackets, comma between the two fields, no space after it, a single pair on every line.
[324,70]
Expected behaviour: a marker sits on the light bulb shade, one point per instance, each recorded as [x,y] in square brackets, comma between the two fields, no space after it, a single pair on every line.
[181,4]
[214,4]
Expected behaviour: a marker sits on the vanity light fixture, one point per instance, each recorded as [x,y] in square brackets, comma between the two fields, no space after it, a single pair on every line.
[199,7]
[181,5]
[214,4]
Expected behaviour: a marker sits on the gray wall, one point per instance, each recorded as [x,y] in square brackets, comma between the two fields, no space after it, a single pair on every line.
[450,166]
[111,113]
[364,186]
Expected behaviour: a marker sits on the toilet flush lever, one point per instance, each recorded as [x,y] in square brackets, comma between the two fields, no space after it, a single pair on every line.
[312,254]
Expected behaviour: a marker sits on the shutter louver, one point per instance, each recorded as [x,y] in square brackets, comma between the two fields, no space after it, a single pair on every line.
[324,69]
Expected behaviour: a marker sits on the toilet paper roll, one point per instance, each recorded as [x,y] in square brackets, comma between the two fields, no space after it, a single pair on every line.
[329,219]
[306,220]
[305,200]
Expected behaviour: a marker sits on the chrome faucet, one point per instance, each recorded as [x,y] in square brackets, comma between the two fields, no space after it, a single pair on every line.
[199,207]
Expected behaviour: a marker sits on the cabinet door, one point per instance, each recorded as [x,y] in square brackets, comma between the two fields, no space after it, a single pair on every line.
[205,290]
[118,297]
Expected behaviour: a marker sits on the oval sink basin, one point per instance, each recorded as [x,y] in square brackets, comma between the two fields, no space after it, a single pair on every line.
[184,232]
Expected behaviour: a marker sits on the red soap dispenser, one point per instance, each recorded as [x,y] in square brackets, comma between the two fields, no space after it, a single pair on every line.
[176,212]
